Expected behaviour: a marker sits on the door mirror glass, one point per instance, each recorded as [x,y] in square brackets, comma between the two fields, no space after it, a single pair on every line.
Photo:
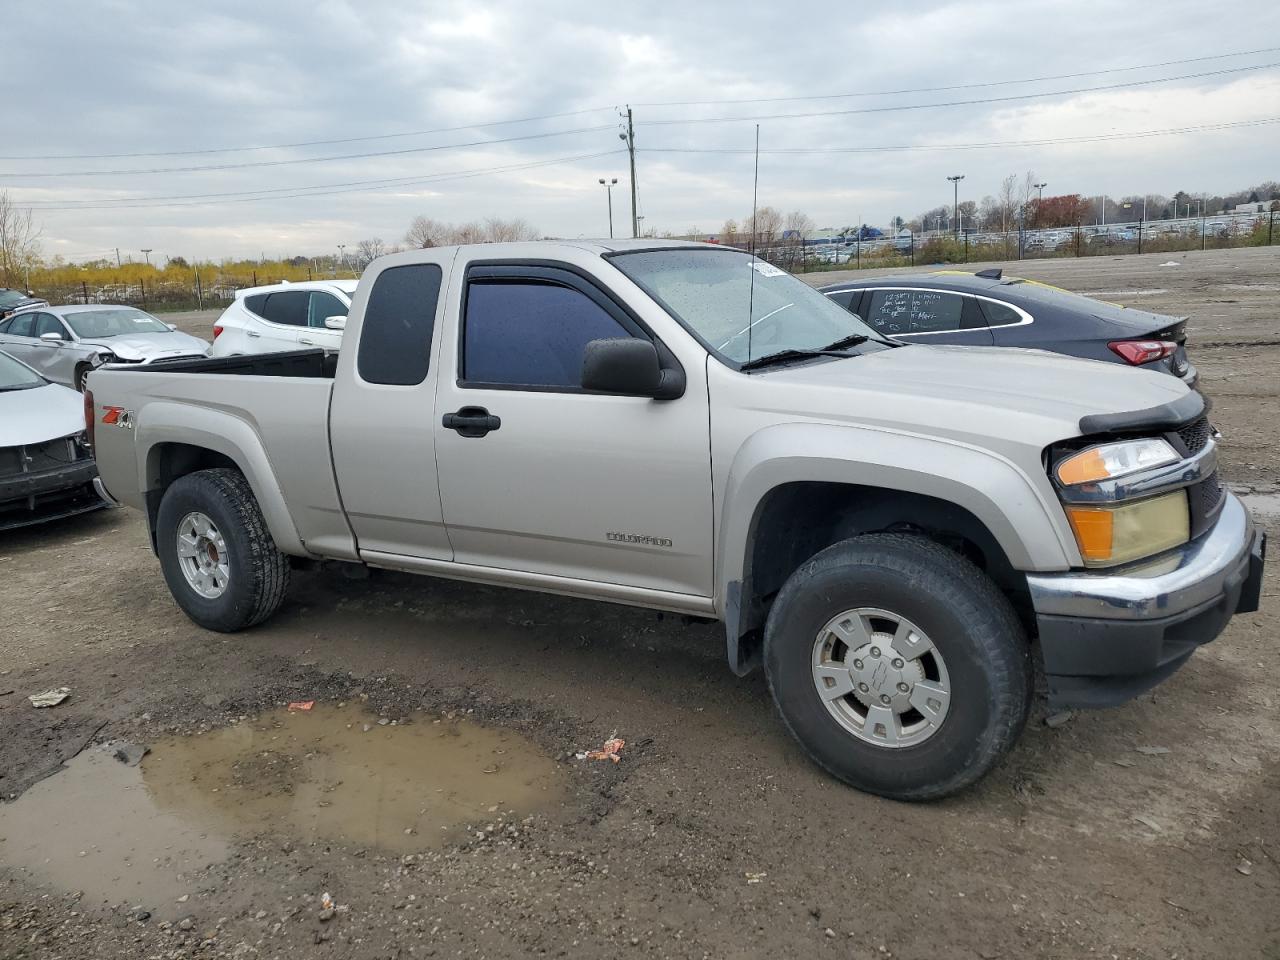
[335,323]
[630,366]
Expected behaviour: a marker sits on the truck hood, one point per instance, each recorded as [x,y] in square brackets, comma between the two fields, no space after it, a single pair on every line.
[979,391]
[147,346]
[39,414]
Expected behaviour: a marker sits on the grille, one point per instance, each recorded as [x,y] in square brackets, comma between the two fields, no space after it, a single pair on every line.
[39,457]
[1196,435]
[1204,501]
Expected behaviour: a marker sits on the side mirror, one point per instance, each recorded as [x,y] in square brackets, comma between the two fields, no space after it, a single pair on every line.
[172,326]
[51,337]
[335,323]
[629,366]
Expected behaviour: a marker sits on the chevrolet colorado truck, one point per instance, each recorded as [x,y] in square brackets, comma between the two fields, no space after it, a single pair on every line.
[894,532]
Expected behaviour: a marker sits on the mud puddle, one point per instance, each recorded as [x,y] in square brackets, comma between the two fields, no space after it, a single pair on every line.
[140,835]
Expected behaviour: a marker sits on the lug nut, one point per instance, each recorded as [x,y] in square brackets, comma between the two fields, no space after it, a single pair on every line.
[857,664]
[875,651]
[903,688]
[884,698]
[898,663]
[863,687]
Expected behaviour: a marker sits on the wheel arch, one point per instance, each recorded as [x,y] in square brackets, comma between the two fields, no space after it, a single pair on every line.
[175,442]
[784,504]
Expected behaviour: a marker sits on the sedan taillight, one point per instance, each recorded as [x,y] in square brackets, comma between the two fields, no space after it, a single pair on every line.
[1138,352]
[216,330]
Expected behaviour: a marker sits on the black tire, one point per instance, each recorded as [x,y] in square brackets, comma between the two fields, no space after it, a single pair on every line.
[259,571]
[82,371]
[971,624]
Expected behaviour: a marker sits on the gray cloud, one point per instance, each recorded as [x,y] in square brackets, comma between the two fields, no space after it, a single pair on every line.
[127,77]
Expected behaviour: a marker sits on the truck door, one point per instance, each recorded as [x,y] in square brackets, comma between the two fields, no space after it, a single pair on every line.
[382,415]
[558,481]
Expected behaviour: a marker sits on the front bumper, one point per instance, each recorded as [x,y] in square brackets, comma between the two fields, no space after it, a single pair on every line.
[1108,636]
[49,495]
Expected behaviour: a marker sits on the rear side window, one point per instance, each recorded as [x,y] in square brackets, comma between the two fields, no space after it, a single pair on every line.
[530,333]
[21,325]
[288,308]
[399,320]
[1000,314]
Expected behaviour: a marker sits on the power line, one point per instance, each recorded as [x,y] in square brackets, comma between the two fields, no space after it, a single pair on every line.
[355,186]
[302,143]
[296,160]
[958,86]
[955,103]
[1088,138]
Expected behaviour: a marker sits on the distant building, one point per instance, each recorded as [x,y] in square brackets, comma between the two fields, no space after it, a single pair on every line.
[1258,206]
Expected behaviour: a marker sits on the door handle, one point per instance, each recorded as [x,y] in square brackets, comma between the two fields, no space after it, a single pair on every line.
[250,333]
[309,343]
[471,422]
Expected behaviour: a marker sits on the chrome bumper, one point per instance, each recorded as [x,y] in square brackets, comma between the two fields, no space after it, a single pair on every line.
[1196,574]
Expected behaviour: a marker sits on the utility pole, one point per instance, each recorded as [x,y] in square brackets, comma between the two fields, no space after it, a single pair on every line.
[955,204]
[608,185]
[146,252]
[342,258]
[1039,200]
[118,263]
[628,136]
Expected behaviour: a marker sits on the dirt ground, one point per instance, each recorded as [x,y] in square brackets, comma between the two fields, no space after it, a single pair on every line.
[1148,831]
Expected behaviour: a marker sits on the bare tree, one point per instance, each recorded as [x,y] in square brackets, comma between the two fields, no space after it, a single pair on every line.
[369,250]
[988,213]
[763,226]
[1008,201]
[19,249]
[799,224]
[500,231]
[968,214]
[424,232]
[729,232]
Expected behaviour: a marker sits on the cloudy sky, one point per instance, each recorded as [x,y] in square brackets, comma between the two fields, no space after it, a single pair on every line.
[476,109]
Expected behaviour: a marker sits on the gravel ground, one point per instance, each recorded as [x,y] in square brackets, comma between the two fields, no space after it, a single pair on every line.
[1149,831]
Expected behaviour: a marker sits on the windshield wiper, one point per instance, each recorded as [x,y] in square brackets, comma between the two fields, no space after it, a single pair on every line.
[844,343]
[782,356]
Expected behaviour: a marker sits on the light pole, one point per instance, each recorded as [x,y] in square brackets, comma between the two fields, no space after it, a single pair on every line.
[342,258]
[146,252]
[608,186]
[955,203]
[1039,199]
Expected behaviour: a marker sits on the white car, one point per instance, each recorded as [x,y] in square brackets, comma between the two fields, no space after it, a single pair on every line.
[284,316]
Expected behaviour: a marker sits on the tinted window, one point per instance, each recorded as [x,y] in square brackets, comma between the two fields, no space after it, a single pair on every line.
[897,312]
[289,308]
[324,305]
[1000,314]
[531,334]
[844,298]
[48,323]
[395,340]
[21,325]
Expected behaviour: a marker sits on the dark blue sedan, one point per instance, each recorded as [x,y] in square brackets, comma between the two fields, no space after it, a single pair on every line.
[988,309]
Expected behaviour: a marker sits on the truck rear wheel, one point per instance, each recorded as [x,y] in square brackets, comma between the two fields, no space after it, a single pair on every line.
[898,665]
[217,555]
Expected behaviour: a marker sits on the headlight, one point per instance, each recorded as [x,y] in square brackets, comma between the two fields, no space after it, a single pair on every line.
[1128,531]
[1111,460]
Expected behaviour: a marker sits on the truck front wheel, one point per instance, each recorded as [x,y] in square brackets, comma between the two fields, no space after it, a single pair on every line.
[898,665]
[218,558]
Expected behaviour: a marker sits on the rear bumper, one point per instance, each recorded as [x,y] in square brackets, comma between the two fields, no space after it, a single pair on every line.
[1108,636]
[37,497]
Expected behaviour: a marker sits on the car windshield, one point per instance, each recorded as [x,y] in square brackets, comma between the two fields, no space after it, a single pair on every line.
[18,376]
[9,298]
[112,322]
[712,292]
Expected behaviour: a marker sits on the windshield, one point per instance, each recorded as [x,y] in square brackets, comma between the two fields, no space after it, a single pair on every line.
[18,376]
[112,322]
[9,298]
[712,291]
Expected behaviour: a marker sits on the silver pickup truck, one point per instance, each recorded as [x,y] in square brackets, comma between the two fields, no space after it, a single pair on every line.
[894,532]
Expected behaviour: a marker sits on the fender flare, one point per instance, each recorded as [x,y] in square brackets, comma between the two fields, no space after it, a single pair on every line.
[1017,511]
[229,435]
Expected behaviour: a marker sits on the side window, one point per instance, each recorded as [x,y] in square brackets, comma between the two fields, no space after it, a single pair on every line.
[530,333]
[1000,314]
[288,308]
[399,320]
[324,305]
[256,304]
[904,312]
[48,323]
[844,298]
[22,324]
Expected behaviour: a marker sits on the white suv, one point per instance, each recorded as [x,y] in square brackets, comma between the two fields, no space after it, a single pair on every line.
[284,316]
